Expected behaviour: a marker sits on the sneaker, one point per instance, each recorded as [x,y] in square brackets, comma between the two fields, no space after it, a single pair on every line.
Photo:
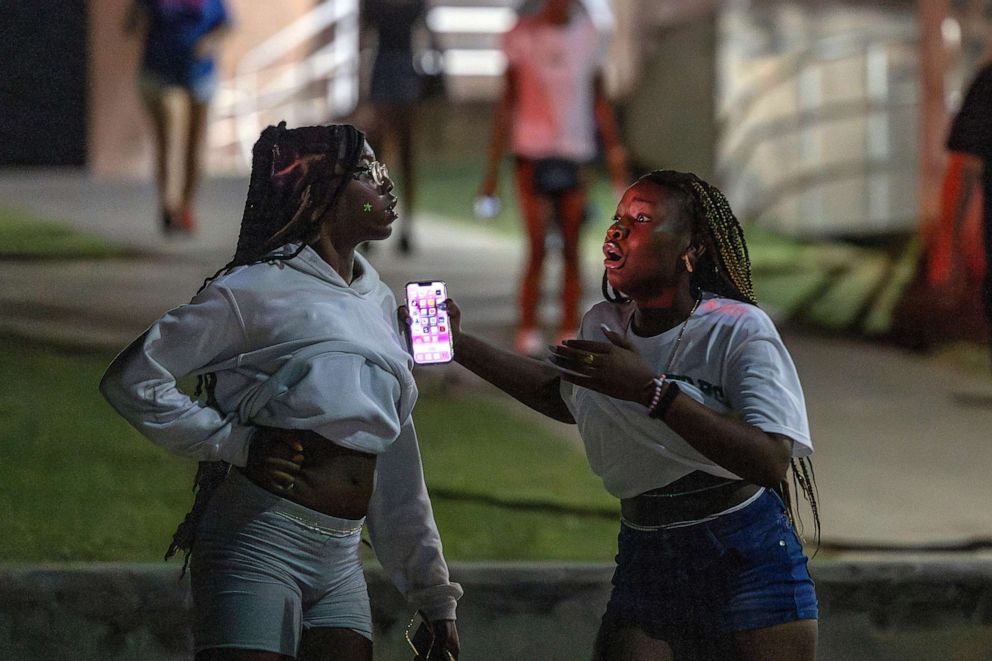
[168,221]
[187,221]
[529,342]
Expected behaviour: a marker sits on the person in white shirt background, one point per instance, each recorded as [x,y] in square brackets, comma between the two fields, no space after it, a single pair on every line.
[306,434]
[552,105]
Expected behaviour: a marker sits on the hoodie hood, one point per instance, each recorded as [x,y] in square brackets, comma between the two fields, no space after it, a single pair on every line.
[366,278]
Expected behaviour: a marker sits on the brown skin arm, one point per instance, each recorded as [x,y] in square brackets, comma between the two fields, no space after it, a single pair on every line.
[618,371]
[529,381]
[134,18]
[971,176]
[500,132]
[606,121]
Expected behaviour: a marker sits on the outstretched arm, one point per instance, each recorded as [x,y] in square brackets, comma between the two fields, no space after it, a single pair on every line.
[529,381]
[500,133]
[606,121]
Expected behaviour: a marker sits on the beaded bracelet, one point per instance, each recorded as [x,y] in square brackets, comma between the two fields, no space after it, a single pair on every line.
[660,410]
[659,384]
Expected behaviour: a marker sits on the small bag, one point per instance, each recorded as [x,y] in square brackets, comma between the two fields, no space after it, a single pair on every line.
[555,175]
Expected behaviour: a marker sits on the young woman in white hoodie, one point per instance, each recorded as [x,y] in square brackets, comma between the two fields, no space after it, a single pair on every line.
[304,431]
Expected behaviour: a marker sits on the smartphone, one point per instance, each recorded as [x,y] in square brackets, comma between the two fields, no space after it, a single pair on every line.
[430,335]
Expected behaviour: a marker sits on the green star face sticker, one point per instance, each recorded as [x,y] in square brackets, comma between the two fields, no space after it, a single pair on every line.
[367,207]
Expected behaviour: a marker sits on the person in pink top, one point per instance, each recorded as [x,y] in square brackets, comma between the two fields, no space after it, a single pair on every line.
[552,104]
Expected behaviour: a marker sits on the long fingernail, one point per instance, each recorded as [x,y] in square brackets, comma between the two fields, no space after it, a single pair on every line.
[605,328]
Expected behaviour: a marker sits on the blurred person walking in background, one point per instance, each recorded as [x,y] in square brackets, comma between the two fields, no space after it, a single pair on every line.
[181,40]
[691,412]
[306,434]
[552,104]
[395,88]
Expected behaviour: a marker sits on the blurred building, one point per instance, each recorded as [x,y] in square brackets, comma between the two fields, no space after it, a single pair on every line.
[815,115]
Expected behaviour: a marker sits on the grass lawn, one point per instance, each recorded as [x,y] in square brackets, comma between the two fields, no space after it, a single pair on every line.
[81,485]
[25,236]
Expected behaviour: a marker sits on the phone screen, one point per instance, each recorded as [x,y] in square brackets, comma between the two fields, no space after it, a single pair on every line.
[430,336]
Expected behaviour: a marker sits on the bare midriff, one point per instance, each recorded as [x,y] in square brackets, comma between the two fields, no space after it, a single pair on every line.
[333,479]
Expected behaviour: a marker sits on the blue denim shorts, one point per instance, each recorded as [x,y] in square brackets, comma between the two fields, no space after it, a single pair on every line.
[264,568]
[744,570]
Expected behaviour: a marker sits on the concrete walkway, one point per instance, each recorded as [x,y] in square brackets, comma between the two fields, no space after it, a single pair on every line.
[904,442]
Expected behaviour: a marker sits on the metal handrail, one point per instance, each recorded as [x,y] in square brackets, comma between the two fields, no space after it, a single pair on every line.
[841,47]
[272,82]
[740,145]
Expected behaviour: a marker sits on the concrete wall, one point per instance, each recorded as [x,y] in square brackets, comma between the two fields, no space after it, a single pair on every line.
[885,609]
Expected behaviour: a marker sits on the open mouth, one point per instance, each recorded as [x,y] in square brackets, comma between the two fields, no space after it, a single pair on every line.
[614,258]
[391,206]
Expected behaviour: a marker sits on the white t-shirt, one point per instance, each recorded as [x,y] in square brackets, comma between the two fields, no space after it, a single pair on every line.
[731,359]
[555,66]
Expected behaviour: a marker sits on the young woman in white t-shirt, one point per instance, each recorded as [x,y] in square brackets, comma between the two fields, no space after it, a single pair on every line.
[691,413]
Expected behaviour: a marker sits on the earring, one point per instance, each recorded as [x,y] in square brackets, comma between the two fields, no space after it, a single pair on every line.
[688,264]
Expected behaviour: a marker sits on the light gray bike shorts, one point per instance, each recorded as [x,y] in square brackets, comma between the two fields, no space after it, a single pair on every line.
[264,569]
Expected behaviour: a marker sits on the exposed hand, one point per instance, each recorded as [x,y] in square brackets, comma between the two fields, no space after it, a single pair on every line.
[275,458]
[404,320]
[446,646]
[454,320]
[613,368]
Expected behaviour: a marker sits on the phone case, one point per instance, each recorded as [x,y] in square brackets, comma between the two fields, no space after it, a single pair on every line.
[429,337]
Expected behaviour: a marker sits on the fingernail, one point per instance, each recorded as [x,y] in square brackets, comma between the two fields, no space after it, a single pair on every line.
[605,328]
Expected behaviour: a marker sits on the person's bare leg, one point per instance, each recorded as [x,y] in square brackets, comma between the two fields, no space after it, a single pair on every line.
[404,127]
[340,644]
[159,114]
[391,135]
[196,133]
[628,644]
[571,207]
[534,209]
[792,641]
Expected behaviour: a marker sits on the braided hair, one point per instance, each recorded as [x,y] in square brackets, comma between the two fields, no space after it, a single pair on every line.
[296,176]
[724,269]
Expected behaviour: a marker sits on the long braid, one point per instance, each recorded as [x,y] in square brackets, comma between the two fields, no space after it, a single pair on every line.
[727,236]
[724,268]
[296,175]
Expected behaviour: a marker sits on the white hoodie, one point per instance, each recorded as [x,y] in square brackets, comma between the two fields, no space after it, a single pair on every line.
[296,347]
